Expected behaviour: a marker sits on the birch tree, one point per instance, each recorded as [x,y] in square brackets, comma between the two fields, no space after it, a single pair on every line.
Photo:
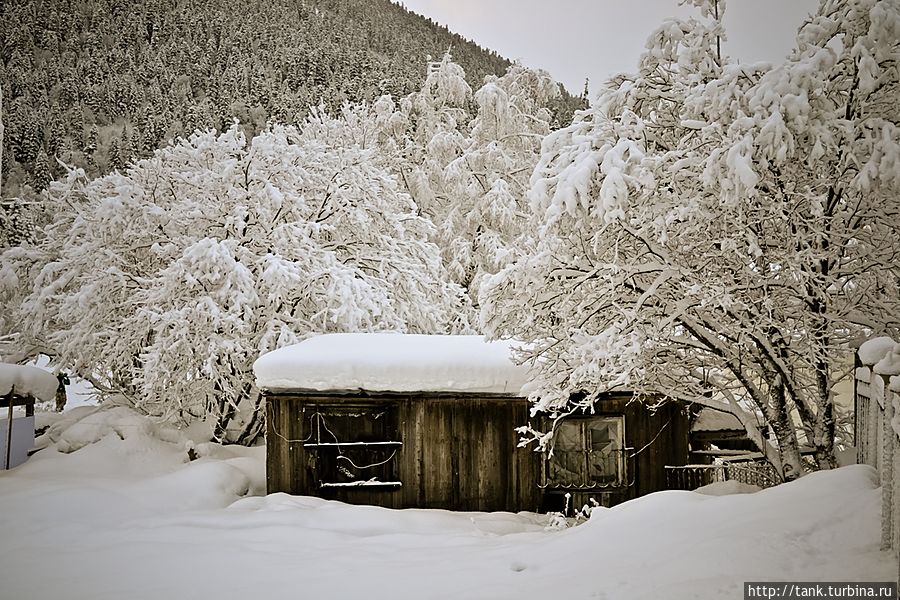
[720,232]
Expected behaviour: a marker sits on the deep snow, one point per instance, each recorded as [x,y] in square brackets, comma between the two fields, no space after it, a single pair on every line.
[124,514]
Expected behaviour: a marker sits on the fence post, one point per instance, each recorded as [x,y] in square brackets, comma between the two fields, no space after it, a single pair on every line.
[887,469]
[9,424]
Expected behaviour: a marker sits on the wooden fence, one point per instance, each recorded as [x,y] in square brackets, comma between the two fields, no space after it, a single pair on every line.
[878,445]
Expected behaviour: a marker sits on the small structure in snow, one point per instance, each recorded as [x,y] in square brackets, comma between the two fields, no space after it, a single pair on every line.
[718,430]
[430,421]
[24,381]
[21,386]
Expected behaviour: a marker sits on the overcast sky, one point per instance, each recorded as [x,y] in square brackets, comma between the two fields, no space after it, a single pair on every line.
[574,39]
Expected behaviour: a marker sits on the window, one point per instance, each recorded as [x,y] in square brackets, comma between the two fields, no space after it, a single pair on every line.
[586,453]
[352,447]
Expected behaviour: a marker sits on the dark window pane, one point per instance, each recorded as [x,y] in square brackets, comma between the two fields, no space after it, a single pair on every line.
[603,460]
[586,452]
[566,468]
[348,464]
[568,436]
[353,444]
[600,437]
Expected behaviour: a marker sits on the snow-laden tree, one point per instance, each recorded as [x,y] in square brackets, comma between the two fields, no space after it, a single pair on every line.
[720,232]
[166,282]
[466,159]
[485,212]
[431,129]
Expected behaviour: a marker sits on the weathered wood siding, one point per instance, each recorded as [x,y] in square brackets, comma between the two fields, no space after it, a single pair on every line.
[459,452]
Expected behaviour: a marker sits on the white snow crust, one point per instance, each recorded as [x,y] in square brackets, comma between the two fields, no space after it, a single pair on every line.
[727,488]
[889,363]
[26,380]
[392,362]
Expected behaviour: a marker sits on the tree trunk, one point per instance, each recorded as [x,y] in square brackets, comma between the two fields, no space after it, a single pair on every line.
[785,433]
[823,431]
[227,410]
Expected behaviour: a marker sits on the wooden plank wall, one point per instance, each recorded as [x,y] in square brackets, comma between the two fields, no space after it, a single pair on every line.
[658,439]
[459,452]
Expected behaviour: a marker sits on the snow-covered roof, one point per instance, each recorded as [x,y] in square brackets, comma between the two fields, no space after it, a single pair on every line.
[716,420]
[27,381]
[393,362]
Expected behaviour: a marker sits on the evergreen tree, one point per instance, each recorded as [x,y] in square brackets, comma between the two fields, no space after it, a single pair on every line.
[114,156]
[41,173]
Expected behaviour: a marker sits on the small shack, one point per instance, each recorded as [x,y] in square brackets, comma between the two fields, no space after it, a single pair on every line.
[20,386]
[717,433]
[426,421]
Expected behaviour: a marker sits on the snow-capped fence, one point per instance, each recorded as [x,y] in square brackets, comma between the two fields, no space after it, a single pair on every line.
[878,444]
[877,431]
[690,477]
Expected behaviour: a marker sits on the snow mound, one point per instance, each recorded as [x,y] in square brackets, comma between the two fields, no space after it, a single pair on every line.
[89,425]
[372,521]
[132,521]
[725,488]
[889,363]
[874,350]
[199,485]
[392,362]
[27,381]
[823,526]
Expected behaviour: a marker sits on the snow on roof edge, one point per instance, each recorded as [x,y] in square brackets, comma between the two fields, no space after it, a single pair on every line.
[28,381]
[392,362]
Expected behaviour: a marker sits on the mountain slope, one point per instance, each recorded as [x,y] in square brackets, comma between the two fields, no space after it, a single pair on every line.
[98,82]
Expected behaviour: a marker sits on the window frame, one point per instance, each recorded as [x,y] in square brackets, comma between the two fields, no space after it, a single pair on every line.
[585,482]
[324,449]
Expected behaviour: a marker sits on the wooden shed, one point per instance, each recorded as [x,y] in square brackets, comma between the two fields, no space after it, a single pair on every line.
[421,421]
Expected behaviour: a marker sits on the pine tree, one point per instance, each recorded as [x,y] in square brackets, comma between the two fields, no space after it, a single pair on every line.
[114,161]
[41,174]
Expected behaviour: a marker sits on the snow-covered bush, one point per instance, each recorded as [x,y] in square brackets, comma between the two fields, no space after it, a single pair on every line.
[712,229]
[166,282]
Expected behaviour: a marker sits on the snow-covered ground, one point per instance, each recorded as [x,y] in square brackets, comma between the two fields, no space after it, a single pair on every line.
[112,508]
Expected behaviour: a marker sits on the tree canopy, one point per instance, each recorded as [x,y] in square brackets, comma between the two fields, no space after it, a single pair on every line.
[164,283]
[721,231]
